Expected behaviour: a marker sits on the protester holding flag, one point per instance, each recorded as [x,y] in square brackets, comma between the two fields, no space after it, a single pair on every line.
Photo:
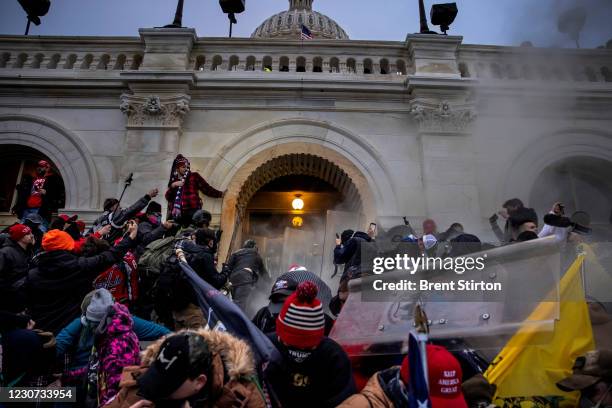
[405,385]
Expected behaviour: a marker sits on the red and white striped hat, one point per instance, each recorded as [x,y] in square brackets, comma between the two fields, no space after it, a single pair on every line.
[301,323]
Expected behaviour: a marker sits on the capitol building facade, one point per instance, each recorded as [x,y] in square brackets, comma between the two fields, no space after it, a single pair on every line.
[428,127]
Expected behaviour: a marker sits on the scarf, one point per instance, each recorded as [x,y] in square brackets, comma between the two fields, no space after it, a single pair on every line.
[177,205]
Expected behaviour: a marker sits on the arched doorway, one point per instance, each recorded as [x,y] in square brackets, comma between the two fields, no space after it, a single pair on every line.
[18,167]
[287,234]
[581,184]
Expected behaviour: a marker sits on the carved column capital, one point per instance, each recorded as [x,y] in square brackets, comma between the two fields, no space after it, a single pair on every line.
[153,111]
[443,117]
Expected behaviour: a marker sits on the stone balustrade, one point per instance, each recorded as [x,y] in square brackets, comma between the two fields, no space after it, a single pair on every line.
[535,64]
[378,59]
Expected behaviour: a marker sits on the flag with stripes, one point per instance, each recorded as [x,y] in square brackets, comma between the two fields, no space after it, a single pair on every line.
[306,34]
[224,315]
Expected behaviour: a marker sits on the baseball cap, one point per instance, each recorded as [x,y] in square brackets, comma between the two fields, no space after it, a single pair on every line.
[282,288]
[180,355]
[588,370]
[67,218]
[18,231]
[444,375]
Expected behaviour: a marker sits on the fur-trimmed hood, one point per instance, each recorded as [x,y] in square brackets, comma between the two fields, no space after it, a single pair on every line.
[236,354]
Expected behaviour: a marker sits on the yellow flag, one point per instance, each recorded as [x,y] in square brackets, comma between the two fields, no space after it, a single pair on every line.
[527,369]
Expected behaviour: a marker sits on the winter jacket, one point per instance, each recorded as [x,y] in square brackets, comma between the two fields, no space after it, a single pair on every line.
[121,280]
[147,233]
[323,379]
[14,264]
[56,286]
[384,390]
[247,258]
[54,197]
[190,196]
[202,260]
[117,348]
[350,255]
[69,342]
[233,381]
[119,217]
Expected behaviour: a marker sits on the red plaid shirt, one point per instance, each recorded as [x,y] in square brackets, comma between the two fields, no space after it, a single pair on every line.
[190,194]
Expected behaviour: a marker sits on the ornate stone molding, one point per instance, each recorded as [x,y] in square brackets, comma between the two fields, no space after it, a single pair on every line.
[154,111]
[443,118]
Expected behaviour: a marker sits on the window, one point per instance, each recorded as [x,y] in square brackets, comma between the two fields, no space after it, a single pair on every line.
[250,63]
[120,63]
[400,65]
[199,63]
[300,64]
[334,65]
[233,63]
[267,63]
[283,66]
[367,66]
[384,66]
[317,64]
[351,66]
[216,62]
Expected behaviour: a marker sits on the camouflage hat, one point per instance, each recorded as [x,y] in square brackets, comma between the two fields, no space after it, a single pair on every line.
[589,369]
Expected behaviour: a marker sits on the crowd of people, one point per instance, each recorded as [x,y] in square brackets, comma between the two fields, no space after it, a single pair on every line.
[109,311]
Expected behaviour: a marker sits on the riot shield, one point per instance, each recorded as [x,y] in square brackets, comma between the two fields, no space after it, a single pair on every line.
[529,273]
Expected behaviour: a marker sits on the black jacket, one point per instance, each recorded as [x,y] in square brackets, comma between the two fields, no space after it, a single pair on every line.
[323,379]
[247,258]
[201,259]
[55,287]
[119,217]
[147,233]
[350,254]
[14,263]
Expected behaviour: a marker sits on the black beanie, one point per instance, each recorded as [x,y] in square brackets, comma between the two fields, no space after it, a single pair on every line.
[154,207]
[109,202]
[203,235]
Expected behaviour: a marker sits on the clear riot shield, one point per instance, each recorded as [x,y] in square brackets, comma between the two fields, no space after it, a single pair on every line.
[335,223]
[378,322]
[597,272]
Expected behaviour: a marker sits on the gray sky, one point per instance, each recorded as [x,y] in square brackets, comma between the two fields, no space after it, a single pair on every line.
[504,22]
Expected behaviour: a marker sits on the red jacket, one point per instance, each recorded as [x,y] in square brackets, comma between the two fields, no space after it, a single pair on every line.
[189,195]
[121,280]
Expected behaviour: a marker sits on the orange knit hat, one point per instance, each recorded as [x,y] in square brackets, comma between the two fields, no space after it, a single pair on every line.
[56,240]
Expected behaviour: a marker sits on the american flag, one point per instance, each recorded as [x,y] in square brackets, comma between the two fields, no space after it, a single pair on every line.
[306,34]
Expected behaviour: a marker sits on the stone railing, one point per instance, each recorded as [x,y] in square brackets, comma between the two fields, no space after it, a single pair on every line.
[368,59]
[70,53]
[535,64]
[324,56]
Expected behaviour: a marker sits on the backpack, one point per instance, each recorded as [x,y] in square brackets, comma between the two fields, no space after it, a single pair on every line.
[156,253]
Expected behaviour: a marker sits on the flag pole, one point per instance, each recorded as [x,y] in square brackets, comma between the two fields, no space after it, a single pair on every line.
[422,329]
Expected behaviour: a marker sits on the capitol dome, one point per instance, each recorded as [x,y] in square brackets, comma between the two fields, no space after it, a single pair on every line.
[288,24]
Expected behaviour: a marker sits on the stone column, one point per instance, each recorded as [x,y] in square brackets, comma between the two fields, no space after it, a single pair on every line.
[155,107]
[447,167]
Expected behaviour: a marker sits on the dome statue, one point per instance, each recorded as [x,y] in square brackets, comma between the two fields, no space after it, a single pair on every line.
[288,24]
